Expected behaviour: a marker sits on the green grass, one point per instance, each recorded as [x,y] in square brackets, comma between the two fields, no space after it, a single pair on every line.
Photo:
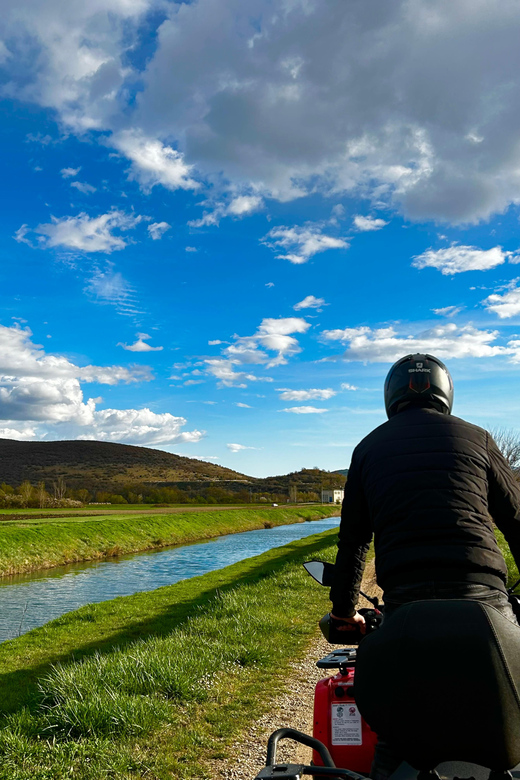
[161,684]
[162,681]
[28,545]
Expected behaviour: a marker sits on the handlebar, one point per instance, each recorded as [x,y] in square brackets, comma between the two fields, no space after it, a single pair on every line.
[273,771]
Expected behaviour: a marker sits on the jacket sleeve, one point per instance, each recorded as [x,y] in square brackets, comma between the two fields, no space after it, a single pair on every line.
[355,535]
[504,499]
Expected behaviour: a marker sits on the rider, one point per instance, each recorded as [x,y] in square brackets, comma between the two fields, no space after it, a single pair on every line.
[425,484]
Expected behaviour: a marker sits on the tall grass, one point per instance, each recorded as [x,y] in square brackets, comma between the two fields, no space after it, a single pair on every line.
[44,544]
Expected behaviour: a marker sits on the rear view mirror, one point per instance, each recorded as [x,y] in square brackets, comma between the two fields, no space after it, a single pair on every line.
[320,571]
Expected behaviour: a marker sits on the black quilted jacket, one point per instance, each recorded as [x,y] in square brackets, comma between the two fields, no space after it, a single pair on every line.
[426,486]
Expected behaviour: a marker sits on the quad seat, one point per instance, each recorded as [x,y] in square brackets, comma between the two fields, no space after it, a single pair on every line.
[440,681]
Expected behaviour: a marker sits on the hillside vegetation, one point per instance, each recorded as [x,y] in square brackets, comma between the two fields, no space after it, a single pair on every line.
[102,462]
[43,474]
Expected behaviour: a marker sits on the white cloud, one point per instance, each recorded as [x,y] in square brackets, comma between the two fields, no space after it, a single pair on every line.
[304,410]
[84,233]
[347,386]
[70,173]
[21,234]
[82,186]
[306,395]
[448,311]
[41,396]
[239,206]
[243,406]
[238,447]
[139,426]
[20,433]
[310,302]
[224,371]
[368,223]
[456,259]
[214,342]
[190,249]
[46,388]
[244,204]
[71,60]
[273,335]
[158,229]
[385,345]
[506,305]
[305,242]
[153,162]
[140,345]
[306,100]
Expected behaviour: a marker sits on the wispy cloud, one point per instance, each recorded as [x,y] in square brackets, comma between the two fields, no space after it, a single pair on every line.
[448,311]
[239,206]
[368,223]
[153,162]
[82,186]
[239,447]
[140,345]
[385,345]
[506,305]
[84,233]
[304,410]
[306,395]
[310,302]
[457,259]
[70,173]
[158,229]
[301,243]
[109,286]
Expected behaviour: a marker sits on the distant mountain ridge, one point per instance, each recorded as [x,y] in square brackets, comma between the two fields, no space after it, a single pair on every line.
[104,463]
[108,466]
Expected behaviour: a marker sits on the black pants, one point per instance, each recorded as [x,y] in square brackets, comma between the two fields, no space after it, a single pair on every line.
[386,760]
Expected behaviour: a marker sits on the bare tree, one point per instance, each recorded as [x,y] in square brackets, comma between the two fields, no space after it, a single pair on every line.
[25,490]
[59,487]
[42,494]
[508,442]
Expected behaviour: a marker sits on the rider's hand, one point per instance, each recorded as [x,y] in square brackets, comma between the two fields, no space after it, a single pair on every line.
[350,623]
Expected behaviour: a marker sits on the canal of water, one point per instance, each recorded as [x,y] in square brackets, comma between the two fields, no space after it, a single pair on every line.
[30,600]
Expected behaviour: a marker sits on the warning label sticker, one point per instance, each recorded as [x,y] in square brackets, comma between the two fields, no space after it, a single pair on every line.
[346,724]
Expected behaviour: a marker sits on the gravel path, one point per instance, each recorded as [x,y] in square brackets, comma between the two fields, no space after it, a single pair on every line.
[293,708]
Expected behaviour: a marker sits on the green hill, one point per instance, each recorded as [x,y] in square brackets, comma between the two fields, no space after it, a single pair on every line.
[101,463]
[118,468]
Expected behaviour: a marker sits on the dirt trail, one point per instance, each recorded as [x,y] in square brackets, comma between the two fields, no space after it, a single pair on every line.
[294,708]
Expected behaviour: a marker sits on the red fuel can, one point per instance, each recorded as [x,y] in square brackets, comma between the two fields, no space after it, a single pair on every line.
[339,725]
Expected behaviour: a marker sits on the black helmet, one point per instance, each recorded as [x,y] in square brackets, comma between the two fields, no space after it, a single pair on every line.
[418,380]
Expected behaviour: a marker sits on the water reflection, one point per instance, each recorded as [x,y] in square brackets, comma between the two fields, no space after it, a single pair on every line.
[30,600]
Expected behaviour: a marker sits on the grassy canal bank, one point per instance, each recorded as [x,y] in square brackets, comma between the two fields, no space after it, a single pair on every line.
[159,684]
[31,544]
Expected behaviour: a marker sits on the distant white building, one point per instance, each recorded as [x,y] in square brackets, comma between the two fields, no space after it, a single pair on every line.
[332,496]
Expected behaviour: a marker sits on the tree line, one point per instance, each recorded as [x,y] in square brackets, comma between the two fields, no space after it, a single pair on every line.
[59,494]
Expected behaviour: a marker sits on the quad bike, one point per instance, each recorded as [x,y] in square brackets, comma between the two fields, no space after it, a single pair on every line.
[441,681]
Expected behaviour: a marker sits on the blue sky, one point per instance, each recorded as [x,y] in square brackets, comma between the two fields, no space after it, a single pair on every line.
[223,221]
